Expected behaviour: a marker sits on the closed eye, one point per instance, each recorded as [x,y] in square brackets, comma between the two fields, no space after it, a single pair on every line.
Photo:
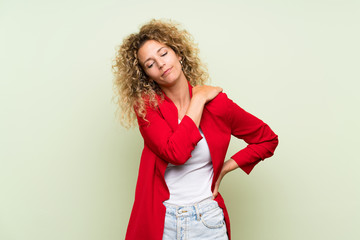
[162,55]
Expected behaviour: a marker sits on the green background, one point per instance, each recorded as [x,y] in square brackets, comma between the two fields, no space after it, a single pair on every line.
[68,169]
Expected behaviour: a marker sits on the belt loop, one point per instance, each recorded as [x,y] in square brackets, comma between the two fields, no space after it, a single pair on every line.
[197,212]
[177,212]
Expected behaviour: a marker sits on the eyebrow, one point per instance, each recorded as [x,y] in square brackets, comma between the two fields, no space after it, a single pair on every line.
[156,51]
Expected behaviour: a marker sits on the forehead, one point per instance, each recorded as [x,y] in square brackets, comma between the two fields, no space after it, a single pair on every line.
[149,48]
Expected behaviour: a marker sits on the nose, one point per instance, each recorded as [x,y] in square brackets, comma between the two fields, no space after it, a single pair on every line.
[161,63]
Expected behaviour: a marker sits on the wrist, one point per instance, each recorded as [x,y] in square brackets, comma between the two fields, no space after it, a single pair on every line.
[229,165]
[199,99]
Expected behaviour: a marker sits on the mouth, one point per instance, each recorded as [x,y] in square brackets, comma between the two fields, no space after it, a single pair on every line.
[166,72]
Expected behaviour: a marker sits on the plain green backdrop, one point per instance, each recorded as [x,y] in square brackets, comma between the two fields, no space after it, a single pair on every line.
[68,169]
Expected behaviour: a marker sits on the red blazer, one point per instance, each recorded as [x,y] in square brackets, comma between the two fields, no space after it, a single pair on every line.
[166,141]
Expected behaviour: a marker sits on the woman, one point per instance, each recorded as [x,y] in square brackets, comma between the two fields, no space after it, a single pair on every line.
[186,128]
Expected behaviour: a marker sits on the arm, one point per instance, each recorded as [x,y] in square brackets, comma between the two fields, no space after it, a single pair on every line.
[261,140]
[195,109]
[176,147]
[173,147]
[201,95]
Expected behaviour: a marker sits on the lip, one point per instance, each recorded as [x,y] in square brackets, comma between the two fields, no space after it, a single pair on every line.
[166,72]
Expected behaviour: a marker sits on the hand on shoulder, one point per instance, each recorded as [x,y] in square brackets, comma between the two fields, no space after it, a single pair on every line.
[206,92]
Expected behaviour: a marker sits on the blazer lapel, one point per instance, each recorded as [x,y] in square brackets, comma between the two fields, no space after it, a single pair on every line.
[169,112]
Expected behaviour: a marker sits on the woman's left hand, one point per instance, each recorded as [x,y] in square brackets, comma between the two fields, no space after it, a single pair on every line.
[228,166]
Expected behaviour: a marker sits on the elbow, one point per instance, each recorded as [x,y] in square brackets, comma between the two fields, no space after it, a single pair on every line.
[177,151]
[276,141]
[175,156]
[267,148]
[180,160]
[273,144]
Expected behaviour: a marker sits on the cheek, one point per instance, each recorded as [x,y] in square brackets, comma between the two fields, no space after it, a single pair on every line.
[151,72]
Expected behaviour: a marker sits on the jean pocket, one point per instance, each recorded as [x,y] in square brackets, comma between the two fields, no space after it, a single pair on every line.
[213,218]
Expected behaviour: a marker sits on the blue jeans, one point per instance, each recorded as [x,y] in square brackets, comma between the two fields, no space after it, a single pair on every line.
[203,220]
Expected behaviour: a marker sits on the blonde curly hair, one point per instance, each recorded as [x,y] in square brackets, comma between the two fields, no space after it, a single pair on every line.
[132,88]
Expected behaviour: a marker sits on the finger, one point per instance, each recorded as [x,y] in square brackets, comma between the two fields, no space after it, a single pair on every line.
[219,89]
[215,192]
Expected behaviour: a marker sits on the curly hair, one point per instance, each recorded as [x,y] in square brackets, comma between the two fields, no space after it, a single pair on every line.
[132,86]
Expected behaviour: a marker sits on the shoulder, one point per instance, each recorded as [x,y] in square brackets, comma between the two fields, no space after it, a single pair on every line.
[220,100]
[147,106]
[220,105]
[148,103]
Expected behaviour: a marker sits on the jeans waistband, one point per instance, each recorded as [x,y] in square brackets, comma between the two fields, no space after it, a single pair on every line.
[197,209]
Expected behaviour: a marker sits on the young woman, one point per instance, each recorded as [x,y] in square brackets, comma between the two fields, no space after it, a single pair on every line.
[186,127]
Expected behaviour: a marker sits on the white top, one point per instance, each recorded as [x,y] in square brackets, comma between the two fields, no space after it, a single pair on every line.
[191,182]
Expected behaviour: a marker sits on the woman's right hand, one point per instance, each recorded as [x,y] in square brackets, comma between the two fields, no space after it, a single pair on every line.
[206,92]
[200,96]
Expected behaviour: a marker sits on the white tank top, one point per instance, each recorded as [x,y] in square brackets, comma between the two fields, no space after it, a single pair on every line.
[191,182]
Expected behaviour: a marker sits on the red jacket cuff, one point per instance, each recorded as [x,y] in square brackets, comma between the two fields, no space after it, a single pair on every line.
[193,130]
[246,159]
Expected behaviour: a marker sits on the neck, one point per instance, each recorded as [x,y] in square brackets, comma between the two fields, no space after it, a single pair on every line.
[179,93]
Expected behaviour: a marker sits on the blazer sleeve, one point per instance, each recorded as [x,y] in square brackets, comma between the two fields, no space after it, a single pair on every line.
[261,140]
[175,146]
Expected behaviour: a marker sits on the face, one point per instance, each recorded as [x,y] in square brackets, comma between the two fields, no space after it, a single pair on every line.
[160,63]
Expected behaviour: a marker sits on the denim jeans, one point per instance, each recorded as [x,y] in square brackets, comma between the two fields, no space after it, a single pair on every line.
[203,220]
